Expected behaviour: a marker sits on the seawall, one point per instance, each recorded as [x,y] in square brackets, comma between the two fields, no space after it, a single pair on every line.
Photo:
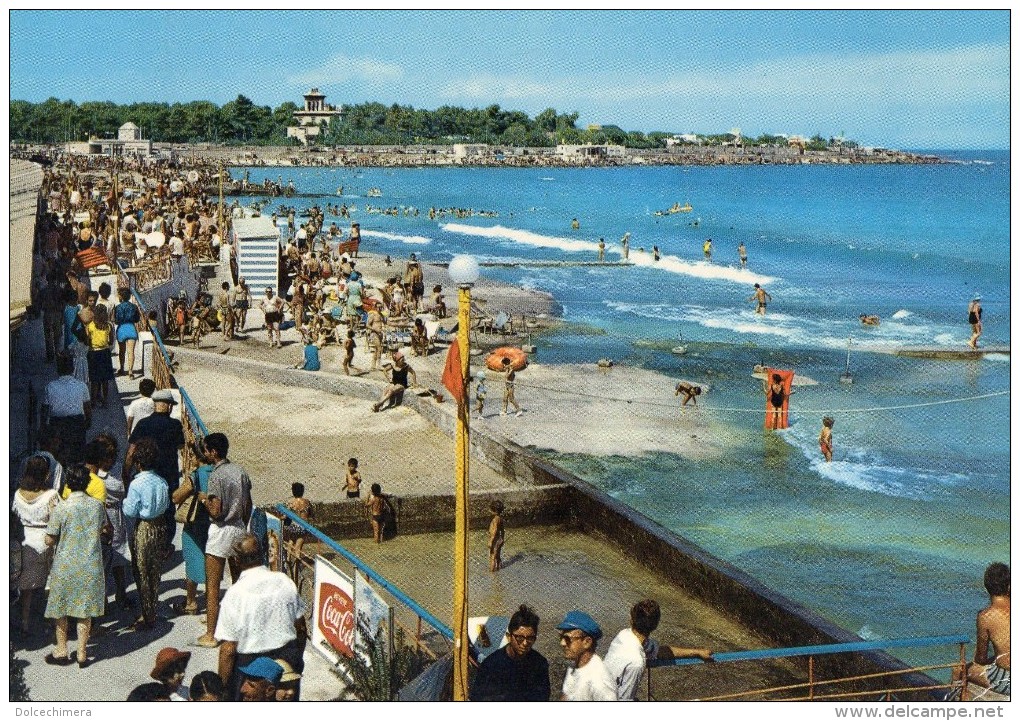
[557,497]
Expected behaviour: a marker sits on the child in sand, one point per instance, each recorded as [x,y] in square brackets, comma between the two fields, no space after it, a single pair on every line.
[349,346]
[497,536]
[353,482]
[825,438]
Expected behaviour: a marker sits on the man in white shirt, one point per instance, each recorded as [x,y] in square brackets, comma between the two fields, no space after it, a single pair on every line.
[143,406]
[633,647]
[67,406]
[177,245]
[261,615]
[587,678]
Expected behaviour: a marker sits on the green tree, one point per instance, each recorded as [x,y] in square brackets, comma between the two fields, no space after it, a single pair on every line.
[546,120]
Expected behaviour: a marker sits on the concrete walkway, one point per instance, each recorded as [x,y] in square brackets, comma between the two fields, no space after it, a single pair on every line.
[123,658]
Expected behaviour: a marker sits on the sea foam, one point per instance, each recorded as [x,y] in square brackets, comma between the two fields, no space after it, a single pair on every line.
[409,239]
[668,263]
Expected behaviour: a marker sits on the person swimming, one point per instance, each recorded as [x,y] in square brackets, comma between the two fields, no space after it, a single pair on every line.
[869,319]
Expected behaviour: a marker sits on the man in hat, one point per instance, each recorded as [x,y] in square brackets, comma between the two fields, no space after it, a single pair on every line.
[168,433]
[289,685]
[633,647]
[394,392]
[587,678]
[262,616]
[260,678]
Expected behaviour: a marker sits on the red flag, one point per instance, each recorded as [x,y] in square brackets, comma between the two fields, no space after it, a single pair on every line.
[453,375]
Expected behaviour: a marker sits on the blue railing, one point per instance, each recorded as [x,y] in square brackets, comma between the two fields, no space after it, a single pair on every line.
[790,652]
[371,574]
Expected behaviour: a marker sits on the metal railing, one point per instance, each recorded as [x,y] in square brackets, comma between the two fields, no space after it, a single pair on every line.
[444,631]
[163,376]
[812,686]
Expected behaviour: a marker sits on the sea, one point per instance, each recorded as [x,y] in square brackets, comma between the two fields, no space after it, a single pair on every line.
[890,539]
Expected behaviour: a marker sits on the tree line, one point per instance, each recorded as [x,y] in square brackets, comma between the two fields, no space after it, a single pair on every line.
[241,121]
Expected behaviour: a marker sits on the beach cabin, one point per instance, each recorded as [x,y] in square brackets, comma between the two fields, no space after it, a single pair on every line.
[257,242]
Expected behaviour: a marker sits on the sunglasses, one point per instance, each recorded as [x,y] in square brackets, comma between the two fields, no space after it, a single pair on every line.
[522,638]
[568,639]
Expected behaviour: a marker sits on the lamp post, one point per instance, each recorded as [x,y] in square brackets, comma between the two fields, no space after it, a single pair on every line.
[463,272]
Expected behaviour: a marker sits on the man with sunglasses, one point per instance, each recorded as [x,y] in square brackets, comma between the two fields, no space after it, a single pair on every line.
[516,672]
[587,679]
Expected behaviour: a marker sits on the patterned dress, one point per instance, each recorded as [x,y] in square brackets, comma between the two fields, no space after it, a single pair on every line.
[77,585]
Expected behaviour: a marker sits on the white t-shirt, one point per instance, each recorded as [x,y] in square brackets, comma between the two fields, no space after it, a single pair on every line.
[66,396]
[140,408]
[625,662]
[258,612]
[591,682]
[176,246]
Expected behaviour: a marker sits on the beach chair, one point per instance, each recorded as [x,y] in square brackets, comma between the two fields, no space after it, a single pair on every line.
[503,323]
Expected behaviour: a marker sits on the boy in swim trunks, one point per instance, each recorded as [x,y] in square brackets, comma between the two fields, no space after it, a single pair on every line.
[825,438]
[510,375]
[352,484]
[760,296]
[497,536]
[480,391]
[302,508]
[990,668]
[377,503]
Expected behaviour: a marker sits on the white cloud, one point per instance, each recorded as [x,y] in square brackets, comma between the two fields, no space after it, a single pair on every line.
[342,69]
[488,87]
[873,88]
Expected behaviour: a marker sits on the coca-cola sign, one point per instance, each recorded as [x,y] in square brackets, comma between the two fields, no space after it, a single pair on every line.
[336,618]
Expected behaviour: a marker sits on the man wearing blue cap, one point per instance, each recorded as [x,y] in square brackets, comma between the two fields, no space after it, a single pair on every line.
[587,679]
[261,677]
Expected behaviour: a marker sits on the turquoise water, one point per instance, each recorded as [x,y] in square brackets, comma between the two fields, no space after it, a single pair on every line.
[889,540]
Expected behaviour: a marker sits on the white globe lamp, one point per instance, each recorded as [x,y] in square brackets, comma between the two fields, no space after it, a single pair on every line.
[463,270]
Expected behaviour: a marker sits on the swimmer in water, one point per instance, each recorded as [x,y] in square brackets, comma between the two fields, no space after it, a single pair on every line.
[869,319]
[761,297]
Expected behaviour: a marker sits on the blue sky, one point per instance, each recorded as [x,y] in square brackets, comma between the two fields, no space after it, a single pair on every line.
[910,79]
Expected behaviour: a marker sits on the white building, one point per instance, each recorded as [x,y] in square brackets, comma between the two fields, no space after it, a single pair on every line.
[128,142]
[686,138]
[581,152]
[316,115]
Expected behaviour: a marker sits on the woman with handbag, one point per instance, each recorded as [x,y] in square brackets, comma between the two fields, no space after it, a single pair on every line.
[195,518]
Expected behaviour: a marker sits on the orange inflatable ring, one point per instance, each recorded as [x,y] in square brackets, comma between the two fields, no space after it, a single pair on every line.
[518,359]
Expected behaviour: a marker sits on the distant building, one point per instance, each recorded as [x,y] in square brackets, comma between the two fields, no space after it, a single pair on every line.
[129,141]
[316,115]
[463,151]
[685,139]
[582,152]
